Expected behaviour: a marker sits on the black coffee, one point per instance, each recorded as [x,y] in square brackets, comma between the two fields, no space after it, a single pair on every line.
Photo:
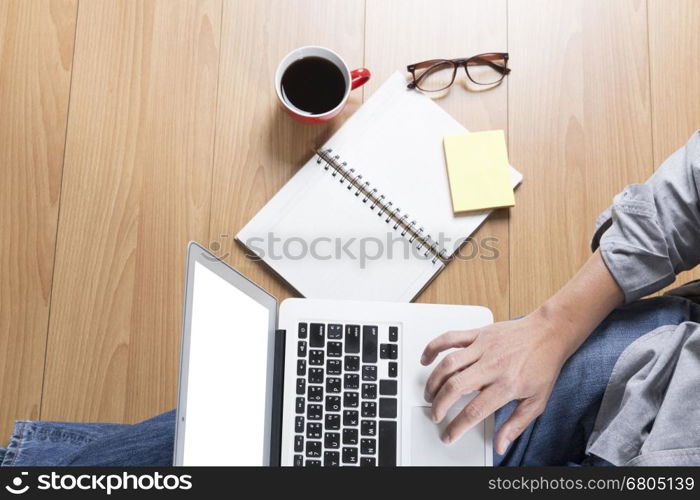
[313,84]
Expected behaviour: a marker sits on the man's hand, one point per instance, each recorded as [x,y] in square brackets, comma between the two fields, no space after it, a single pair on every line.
[518,360]
[514,360]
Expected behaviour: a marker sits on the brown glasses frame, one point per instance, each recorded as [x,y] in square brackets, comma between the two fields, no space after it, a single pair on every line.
[486,59]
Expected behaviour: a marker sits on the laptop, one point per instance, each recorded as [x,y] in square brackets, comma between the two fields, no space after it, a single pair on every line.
[310,382]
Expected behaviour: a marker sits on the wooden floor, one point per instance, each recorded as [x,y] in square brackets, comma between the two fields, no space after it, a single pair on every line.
[130,127]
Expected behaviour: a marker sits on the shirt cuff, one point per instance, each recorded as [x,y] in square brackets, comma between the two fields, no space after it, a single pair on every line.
[633,245]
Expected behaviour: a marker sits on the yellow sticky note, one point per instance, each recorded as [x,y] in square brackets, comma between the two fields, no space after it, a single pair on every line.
[477,167]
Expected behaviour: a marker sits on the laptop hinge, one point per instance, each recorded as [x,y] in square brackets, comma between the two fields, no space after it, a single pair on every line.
[277,393]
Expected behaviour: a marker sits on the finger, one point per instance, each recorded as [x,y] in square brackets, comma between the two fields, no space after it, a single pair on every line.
[450,364]
[445,341]
[484,404]
[461,383]
[526,411]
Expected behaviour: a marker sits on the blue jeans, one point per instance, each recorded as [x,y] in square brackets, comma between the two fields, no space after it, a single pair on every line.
[557,437]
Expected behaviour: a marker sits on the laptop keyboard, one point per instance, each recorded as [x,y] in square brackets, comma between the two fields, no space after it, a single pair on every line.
[346,410]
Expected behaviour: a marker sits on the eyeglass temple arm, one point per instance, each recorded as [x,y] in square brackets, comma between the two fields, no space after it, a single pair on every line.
[475,60]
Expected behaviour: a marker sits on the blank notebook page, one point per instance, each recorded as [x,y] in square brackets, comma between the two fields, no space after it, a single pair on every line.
[315,207]
[395,142]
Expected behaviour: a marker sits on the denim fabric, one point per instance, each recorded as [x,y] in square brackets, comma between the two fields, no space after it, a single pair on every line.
[559,436]
[47,443]
[149,443]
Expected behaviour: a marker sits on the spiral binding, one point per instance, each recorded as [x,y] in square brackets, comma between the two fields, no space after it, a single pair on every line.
[399,222]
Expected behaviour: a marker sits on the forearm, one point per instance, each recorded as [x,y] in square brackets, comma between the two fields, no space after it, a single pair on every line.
[580,305]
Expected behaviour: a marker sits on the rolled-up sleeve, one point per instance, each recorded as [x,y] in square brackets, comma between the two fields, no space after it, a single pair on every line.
[652,230]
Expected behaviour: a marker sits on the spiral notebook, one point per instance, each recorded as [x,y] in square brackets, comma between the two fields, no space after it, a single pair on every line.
[369,216]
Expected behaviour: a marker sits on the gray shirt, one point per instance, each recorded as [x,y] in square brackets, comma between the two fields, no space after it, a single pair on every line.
[650,413]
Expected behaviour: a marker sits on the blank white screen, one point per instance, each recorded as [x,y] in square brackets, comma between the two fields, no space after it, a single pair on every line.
[227,374]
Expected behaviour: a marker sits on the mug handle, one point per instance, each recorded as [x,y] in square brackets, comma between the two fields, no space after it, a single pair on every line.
[359,77]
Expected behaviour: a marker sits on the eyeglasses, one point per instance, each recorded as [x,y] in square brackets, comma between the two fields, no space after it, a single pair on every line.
[439,74]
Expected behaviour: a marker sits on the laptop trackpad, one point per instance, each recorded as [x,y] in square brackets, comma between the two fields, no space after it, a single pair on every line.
[428,449]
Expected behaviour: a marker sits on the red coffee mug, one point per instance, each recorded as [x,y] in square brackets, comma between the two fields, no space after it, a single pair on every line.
[353,79]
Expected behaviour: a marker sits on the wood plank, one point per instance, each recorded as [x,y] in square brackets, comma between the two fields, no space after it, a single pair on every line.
[419,31]
[580,130]
[259,147]
[674,49]
[136,188]
[36,54]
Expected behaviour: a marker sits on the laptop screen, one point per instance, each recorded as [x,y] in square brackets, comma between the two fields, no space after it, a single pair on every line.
[224,400]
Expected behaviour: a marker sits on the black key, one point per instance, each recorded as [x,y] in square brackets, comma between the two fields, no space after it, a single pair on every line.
[349,436]
[301,386]
[299,443]
[332,421]
[388,387]
[387,443]
[301,349]
[313,449]
[332,403]
[369,372]
[393,351]
[315,393]
[351,399]
[352,363]
[387,407]
[393,369]
[369,409]
[368,428]
[393,333]
[351,381]
[300,405]
[331,459]
[352,338]
[334,367]
[350,418]
[369,391]
[368,462]
[298,460]
[384,351]
[369,344]
[331,440]
[334,349]
[313,430]
[332,385]
[313,463]
[316,357]
[301,367]
[317,335]
[368,446]
[349,455]
[299,424]
[303,330]
[314,412]
[315,375]
[335,332]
